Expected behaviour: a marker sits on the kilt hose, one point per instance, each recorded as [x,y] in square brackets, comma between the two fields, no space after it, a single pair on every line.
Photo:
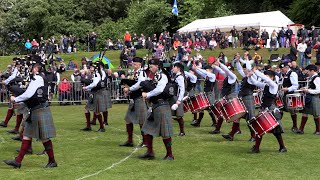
[249,104]
[161,123]
[100,101]
[178,112]
[137,112]
[41,126]
[277,115]
[313,108]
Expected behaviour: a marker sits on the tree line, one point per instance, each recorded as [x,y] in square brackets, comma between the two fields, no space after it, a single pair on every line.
[23,19]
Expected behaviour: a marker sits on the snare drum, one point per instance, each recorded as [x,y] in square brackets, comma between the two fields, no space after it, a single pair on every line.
[279,103]
[233,110]
[295,101]
[257,99]
[198,102]
[216,108]
[263,123]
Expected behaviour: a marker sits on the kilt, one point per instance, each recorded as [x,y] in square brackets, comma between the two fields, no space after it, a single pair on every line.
[231,96]
[22,109]
[277,115]
[178,112]
[291,111]
[137,112]
[249,104]
[191,92]
[108,98]
[41,126]
[314,106]
[211,97]
[99,103]
[161,125]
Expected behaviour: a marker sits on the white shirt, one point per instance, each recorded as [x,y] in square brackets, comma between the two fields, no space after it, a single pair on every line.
[205,74]
[240,70]
[302,47]
[192,77]
[142,77]
[31,90]
[294,81]
[225,71]
[162,82]
[181,86]
[317,83]
[94,83]
[14,74]
[273,87]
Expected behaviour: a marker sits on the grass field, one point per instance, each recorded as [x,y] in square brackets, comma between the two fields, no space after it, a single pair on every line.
[198,155]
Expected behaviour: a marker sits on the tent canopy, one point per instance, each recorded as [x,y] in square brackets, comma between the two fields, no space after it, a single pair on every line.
[273,19]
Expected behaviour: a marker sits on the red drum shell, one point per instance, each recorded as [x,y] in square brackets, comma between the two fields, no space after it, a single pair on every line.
[257,100]
[263,123]
[233,110]
[198,102]
[295,101]
[279,102]
[216,108]
[186,105]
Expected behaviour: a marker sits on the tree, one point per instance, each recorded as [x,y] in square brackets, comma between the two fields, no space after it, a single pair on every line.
[305,12]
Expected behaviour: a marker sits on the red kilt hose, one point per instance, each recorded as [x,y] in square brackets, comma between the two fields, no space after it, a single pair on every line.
[137,112]
[41,126]
[161,124]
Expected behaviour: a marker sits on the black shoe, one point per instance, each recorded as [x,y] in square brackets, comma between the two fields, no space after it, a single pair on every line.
[252,139]
[126,144]
[105,123]
[12,163]
[282,150]
[317,133]
[168,158]
[51,165]
[3,124]
[182,134]
[13,131]
[294,129]
[195,123]
[299,132]
[86,129]
[147,155]
[102,130]
[42,153]
[214,132]
[28,152]
[254,150]
[17,138]
[93,123]
[228,137]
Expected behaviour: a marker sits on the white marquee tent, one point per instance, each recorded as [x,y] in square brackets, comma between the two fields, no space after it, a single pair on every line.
[266,20]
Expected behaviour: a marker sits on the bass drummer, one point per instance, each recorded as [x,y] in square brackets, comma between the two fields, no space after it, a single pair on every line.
[210,79]
[191,79]
[270,89]
[289,85]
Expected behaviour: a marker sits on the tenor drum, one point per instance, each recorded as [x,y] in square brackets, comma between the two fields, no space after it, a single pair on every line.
[186,104]
[216,108]
[263,123]
[233,110]
[295,101]
[198,102]
[279,103]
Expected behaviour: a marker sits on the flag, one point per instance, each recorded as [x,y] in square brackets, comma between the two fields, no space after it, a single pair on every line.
[175,8]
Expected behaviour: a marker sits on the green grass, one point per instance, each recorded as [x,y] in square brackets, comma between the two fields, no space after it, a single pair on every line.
[198,155]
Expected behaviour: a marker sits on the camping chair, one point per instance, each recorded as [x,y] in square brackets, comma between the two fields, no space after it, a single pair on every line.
[285,57]
[274,59]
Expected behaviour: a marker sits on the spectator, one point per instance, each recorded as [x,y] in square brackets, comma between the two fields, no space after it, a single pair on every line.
[71,65]
[302,48]
[127,39]
[282,35]
[64,90]
[28,46]
[264,37]
[65,44]
[234,37]
[176,44]
[119,44]
[149,45]
[317,49]
[212,44]
[308,53]
[274,41]
[76,86]
[302,33]
[293,53]
[204,44]
[109,44]
[120,71]
[314,35]
[34,44]
[223,58]
[289,33]
[257,58]
[93,41]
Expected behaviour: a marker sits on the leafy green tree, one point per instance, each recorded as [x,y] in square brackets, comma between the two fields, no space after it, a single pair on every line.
[305,12]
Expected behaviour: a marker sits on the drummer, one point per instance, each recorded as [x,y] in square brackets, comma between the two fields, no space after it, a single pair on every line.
[210,79]
[176,102]
[191,79]
[270,89]
[312,101]
[246,93]
[228,91]
[289,85]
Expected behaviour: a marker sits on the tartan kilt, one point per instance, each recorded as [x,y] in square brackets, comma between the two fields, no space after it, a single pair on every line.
[99,102]
[178,112]
[249,104]
[41,126]
[231,96]
[211,97]
[108,98]
[22,108]
[191,93]
[161,125]
[277,115]
[285,108]
[137,112]
[313,108]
